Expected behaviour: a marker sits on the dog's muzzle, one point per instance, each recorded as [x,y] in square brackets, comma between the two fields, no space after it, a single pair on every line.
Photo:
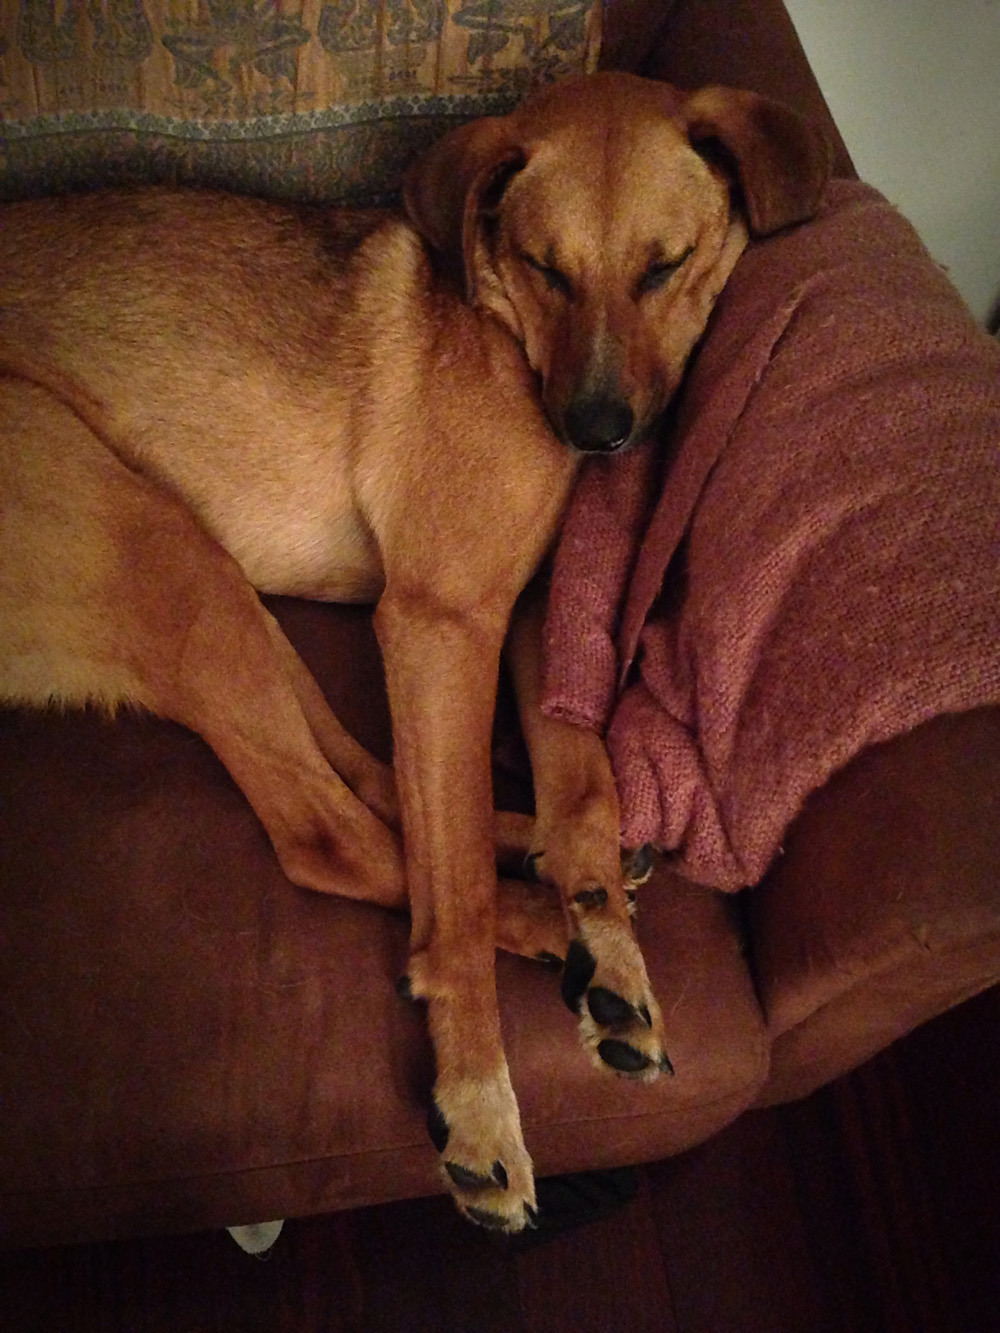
[598,425]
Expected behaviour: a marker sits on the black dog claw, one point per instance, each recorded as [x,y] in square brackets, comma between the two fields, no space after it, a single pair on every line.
[500,1174]
[531,866]
[491,1221]
[577,974]
[437,1127]
[466,1179]
[595,897]
[639,865]
[549,959]
[621,1056]
[607,1008]
[404,988]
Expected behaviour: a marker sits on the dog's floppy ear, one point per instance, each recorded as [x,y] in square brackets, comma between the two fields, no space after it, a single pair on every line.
[451,188]
[782,160]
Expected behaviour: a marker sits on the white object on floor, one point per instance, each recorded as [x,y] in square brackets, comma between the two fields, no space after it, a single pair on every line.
[258,1238]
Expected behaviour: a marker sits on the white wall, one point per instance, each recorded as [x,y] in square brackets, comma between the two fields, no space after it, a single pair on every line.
[914,86]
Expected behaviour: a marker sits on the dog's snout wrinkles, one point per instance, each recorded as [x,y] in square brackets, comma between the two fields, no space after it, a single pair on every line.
[599,424]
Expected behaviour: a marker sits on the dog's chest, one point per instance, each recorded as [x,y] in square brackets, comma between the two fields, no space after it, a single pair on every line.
[276,494]
[323,551]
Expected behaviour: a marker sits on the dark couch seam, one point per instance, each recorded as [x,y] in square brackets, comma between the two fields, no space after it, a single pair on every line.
[305,1162]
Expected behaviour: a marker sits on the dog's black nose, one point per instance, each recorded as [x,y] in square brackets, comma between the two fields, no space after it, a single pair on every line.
[599,424]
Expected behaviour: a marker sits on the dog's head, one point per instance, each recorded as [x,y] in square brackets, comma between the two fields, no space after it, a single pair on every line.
[600,220]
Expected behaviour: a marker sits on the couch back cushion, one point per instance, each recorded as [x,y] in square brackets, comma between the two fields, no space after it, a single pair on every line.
[322,100]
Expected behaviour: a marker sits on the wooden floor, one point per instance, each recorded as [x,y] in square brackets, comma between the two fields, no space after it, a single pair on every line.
[874,1205]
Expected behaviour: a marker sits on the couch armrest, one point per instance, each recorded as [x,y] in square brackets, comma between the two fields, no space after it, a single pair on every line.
[884,909]
[749,44]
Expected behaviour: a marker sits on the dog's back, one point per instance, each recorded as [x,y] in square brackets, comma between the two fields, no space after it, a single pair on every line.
[252,358]
[215,312]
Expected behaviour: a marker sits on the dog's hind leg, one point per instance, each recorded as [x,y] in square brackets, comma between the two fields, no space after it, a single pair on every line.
[574,846]
[112,592]
[372,782]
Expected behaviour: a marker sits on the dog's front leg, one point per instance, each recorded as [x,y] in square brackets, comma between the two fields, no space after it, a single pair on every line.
[575,847]
[441,671]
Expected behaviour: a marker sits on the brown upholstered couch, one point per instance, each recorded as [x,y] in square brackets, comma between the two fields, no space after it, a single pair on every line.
[187,1041]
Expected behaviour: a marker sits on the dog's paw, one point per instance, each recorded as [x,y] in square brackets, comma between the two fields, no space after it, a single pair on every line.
[605,983]
[476,1127]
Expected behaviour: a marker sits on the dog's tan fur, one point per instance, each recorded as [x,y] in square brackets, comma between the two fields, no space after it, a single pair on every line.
[202,397]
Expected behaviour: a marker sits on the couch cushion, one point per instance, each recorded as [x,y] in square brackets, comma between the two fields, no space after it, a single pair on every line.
[306,99]
[189,1041]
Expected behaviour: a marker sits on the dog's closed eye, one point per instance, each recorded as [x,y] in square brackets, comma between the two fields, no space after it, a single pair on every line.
[554,277]
[659,273]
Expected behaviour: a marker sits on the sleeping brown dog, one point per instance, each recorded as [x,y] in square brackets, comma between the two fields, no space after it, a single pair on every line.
[203,397]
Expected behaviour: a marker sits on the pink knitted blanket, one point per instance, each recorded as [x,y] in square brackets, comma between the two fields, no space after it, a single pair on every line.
[813,563]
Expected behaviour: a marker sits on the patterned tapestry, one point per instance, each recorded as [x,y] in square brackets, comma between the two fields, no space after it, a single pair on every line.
[309,99]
